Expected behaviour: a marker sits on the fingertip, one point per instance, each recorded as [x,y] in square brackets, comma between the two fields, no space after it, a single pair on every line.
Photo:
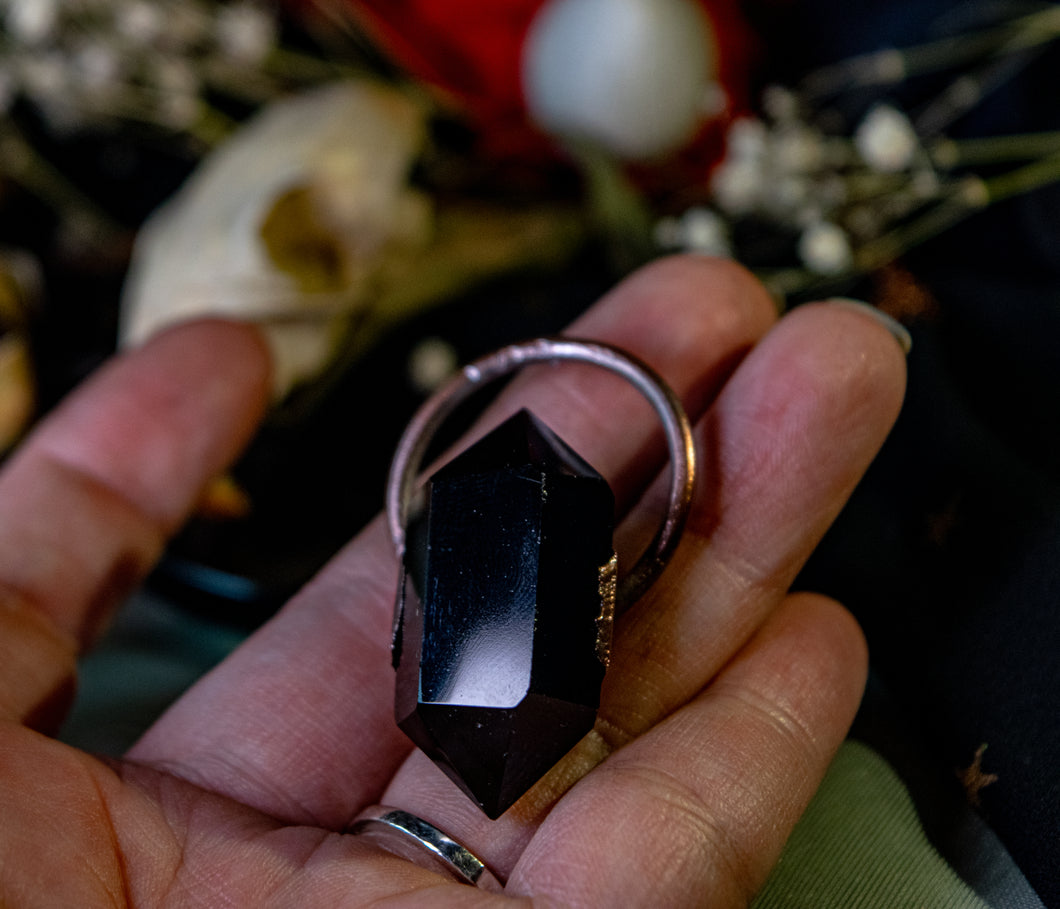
[162,419]
[688,288]
[693,318]
[830,630]
[882,342]
[835,352]
[898,331]
[221,350]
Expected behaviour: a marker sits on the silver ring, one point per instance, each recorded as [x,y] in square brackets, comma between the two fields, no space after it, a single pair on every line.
[412,448]
[423,844]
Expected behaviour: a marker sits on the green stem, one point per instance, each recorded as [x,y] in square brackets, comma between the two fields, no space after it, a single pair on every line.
[297,66]
[950,153]
[971,196]
[1024,179]
[25,165]
[886,67]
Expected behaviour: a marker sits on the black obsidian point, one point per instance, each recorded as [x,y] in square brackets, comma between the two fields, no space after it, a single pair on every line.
[498,674]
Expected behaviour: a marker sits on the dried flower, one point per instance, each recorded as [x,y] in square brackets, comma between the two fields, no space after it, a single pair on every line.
[887,140]
[698,230]
[246,32]
[97,61]
[824,249]
[31,22]
[737,186]
[139,20]
[431,362]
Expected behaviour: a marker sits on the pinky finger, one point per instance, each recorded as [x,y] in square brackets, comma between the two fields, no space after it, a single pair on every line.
[698,809]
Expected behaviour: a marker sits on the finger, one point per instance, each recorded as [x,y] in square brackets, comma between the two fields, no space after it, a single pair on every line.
[697,810]
[299,722]
[89,499]
[782,448]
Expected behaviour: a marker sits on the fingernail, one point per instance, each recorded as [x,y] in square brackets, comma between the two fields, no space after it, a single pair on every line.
[896,328]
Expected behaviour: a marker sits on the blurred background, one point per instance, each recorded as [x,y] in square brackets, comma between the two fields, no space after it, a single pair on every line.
[392,188]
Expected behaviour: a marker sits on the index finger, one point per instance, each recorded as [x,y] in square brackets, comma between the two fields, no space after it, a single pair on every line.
[88,501]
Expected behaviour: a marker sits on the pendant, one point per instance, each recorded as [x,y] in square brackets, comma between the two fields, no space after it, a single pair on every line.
[509,583]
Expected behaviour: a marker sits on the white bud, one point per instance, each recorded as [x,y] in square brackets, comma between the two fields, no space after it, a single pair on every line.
[786,194]
[925,184]
[31,21]
[780,104]
[737,186]
[886,139]
[245,32]
[864,221]
[824,249]
[140,21]
[44,76]
[798,149]
[98,65]
[704,231]
[668,234]
[747,138]
[174,75]
[430,363]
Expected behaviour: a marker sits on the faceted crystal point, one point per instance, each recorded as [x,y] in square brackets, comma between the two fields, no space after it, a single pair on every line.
[499,611]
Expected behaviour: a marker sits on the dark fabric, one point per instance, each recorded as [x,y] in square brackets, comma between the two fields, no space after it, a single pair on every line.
[949,553]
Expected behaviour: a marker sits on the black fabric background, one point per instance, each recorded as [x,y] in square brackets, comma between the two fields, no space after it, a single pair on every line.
[949,552]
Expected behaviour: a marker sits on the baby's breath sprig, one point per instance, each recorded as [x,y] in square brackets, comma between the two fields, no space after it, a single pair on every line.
[184,71]
[842,204]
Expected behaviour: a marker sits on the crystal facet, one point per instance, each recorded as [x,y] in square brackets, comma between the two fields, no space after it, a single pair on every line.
[501,621]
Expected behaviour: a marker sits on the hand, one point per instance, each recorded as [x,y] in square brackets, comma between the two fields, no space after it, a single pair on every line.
[725,700]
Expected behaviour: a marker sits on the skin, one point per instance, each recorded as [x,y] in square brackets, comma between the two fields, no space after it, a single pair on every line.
[724,703]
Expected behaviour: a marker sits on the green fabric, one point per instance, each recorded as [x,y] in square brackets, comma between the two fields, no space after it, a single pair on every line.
[860,846]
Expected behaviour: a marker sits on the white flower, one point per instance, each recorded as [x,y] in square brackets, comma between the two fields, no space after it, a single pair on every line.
[780,104]
[174,74]
[97,65]
[704,231]
[825,249]
[31,21]
[787,194]
[245,32]
[698,230]
[430,363]
[140,21]
[797,149]
[186,25]
[737,185]
[44,76]
[178,111]
[886,139]
[667,233]
[925,184]
[864,221]
[747,139]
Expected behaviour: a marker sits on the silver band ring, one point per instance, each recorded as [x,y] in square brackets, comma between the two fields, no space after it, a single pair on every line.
[412,448]
[423,844]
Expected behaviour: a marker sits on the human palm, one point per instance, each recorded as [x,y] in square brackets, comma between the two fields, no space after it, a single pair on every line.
[725,698]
